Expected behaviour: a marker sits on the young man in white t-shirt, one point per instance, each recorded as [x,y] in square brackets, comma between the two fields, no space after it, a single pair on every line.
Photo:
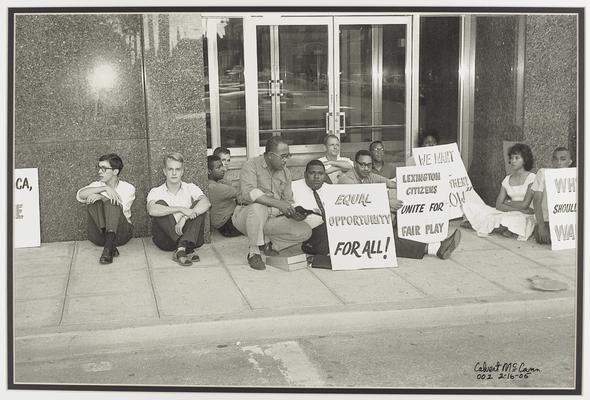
[561,159]
[178,212]
[109,203]
[335,164]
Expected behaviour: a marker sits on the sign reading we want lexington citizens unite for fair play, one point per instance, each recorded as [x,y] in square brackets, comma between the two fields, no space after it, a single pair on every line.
[359,226]
[447,155]
[424,191]
[561,185]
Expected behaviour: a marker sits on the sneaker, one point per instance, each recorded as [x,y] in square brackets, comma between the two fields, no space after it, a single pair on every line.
[180,257]
[267,250]
[448,245]
[255,262]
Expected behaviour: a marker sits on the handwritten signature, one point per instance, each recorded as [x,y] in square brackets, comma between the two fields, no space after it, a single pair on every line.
[503,370]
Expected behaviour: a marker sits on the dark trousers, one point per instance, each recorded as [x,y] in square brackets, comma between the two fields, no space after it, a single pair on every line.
[165,237]
[408,248]
[228,229]
[104,217]
[318,242]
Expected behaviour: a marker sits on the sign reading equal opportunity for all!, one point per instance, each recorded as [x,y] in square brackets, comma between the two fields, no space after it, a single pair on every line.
[27,225]
[459,182]
[562,186]
[424,191]
[359,226]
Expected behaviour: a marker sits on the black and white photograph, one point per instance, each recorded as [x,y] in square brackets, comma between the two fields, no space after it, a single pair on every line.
[301,198]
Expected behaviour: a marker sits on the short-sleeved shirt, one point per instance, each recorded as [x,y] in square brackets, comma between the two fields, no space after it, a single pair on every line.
[223,198]
[334,176]
[387,170]
[303,196]
[125,190]
[186,195]
[518,192]
[258,179]
[352,177]
[539,186]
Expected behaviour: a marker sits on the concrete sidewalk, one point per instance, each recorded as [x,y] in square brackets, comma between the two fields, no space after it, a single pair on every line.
[61,287]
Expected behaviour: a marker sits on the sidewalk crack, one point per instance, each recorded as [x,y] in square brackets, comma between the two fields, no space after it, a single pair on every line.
[149,271]
[63,306]
[244,298]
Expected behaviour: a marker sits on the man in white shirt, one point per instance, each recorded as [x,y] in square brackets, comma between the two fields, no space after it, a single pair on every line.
[109,203]
[178,212]
[334,163]
[307,193]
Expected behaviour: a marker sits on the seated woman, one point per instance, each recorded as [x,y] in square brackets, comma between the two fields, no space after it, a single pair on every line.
[512,215]
[334,164]
[427,139]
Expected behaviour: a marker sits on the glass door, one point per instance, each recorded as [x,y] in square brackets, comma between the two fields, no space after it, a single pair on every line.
[293,76]
[372,84]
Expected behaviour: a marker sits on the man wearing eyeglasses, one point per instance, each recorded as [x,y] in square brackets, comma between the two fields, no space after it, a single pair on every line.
[109,203]
[362,173]
[269,219]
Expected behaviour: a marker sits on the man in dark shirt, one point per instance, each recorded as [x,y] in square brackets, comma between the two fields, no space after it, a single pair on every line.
[223,198]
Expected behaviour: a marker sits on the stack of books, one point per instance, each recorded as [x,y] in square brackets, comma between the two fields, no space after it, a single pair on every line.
[289,259]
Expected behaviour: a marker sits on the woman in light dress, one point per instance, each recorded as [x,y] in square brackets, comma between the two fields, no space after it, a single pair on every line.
[512,216]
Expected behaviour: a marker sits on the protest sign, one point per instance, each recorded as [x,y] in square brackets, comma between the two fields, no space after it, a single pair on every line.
[562,186]
[359,226]
[27,225]
[424,191]
[459,182]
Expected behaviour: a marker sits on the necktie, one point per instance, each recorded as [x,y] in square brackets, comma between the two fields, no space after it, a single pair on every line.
[320,205]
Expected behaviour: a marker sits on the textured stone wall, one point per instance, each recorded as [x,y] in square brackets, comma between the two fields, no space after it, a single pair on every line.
[550,85]
[494,102]
[79,94]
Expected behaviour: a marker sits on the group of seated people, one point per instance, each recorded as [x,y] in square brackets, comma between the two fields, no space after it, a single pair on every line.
[275,213]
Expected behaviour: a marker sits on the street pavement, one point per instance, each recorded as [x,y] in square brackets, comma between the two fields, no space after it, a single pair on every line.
[68,305]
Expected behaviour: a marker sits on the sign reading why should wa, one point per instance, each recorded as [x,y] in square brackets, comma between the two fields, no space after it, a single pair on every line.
[27,230]
[561,185]
[459,182]
[359,226]
[424,216]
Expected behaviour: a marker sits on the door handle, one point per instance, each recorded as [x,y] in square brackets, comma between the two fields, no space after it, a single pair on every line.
[342,122]
[281,88]
[328,129]
[269,88]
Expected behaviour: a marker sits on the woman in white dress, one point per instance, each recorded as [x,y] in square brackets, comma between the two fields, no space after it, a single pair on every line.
[512,216]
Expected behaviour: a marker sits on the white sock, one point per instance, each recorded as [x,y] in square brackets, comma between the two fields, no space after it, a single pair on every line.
[433,248]
[254,250]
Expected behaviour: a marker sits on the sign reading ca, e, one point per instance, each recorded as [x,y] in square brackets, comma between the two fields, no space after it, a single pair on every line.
[27,225]
[459,182]
[424,191]
[561,185]
[359,226]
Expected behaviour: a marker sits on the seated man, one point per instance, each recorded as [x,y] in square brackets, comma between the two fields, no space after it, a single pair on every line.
[109,208]
[561,159]
[178,212]
[307,193]
[381,167]
[269,220]
[223,198]
[334,163]
[224,155]
[403,247]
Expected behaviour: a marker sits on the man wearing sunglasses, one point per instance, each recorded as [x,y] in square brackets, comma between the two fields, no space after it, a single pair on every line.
[109,203]
[268,219]
[362,173]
